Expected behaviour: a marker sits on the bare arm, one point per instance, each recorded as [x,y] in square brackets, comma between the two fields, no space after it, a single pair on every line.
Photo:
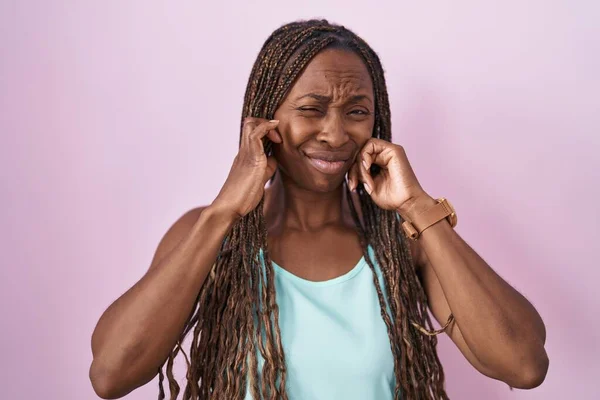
[136,333]
[495,327]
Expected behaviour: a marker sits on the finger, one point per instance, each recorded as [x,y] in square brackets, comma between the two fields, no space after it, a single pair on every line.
[263,129]
[274,136]
[270,170]
[251,123]
[365,177]
[377,151]
[353,176]
[248,126]
[255,141]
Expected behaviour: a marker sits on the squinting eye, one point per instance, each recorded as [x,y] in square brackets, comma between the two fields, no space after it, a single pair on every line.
[359,112]
[311,112]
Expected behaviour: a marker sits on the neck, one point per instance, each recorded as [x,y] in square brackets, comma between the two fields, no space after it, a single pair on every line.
[293,207]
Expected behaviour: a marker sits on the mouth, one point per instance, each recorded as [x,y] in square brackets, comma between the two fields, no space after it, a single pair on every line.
[330,167]
[327,167]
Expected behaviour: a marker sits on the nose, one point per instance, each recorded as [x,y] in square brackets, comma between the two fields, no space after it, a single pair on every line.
[333,131]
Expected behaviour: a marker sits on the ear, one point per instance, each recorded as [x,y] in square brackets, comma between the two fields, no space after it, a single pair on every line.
[274,136]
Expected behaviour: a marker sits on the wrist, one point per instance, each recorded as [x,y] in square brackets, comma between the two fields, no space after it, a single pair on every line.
[416,205]
[217,211]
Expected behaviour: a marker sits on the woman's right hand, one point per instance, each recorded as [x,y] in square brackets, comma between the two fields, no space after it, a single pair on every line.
[251,169]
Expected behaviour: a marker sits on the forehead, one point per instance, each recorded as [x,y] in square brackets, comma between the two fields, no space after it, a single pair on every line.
[336,72]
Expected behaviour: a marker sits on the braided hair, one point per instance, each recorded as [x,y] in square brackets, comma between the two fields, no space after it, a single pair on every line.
[236,314]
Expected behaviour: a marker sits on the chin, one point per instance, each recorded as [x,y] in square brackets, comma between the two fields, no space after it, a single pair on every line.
[324,184]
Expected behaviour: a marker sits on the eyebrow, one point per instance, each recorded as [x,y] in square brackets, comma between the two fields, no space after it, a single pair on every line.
[325,99]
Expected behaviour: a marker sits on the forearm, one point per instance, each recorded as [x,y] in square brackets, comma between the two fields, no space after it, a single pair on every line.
[499,325]
[137,332]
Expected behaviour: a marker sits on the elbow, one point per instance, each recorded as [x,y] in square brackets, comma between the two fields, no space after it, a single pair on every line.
[102,382]
[111,382]
[532,373]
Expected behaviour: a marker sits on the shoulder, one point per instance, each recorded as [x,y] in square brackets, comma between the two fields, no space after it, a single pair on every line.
[176,232]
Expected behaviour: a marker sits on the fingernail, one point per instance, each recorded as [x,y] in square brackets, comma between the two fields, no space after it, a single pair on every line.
[367,188]
[365,165]
[274,120]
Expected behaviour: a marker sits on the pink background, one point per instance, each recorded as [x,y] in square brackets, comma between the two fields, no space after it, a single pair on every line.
[118,116]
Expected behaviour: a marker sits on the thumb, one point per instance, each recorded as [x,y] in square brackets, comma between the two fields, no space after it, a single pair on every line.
[270,170]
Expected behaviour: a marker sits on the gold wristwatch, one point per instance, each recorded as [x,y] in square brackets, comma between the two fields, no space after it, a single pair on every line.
[442,210]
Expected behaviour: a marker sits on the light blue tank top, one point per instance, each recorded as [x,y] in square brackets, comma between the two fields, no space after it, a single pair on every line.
[335,341]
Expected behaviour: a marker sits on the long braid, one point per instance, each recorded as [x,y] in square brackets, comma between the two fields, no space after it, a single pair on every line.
[236,316]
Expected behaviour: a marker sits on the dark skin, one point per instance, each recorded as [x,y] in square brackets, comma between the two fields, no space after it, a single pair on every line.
[312,235]
[329,108]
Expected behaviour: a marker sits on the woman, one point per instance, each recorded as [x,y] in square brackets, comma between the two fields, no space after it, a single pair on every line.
[268,279]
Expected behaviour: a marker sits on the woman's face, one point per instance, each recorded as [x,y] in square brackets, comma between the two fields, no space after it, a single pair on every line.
[326,118]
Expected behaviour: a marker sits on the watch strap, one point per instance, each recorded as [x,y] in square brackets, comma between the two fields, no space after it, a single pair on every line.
[442,210]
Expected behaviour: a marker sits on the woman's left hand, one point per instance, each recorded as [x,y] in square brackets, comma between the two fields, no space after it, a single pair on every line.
[396,186]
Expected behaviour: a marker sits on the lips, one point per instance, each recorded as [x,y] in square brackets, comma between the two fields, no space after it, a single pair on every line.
[328,162]
[329,155]
[327,167]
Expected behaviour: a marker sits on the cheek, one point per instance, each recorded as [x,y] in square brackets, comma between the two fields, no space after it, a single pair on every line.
[362,133]
[296,130]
